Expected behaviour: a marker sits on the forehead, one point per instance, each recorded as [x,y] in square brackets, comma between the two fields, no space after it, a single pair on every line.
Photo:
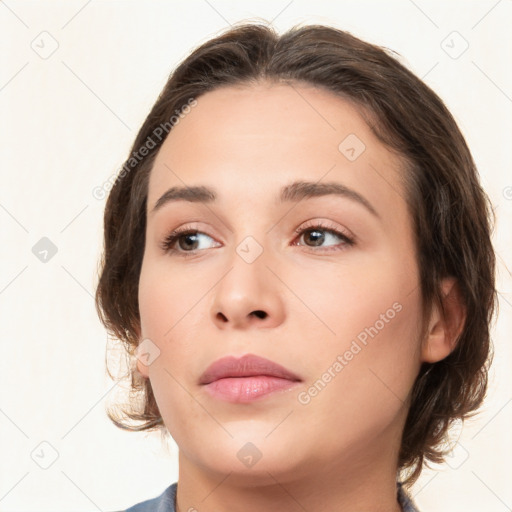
[247,142]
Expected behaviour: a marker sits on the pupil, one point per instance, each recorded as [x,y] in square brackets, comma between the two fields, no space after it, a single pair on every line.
[188,237]
[320,237]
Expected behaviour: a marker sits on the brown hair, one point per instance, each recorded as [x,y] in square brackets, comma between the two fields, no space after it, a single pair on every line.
[452,215]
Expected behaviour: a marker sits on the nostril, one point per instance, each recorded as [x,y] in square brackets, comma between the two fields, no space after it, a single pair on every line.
[222,317]
[259,313]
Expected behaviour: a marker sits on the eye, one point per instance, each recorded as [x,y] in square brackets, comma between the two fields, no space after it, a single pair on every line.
[188,241]
[318,233]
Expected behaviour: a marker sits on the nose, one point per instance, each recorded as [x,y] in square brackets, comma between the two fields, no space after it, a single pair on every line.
[249,295]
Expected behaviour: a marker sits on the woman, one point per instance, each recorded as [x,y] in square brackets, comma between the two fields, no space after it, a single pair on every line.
[298,260]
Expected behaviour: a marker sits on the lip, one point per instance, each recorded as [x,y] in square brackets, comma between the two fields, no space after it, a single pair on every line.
[246,379]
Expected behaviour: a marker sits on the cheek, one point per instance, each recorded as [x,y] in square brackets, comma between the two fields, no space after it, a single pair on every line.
[340,301]
[170,318]
[167,298]
[369,315]
[374,356]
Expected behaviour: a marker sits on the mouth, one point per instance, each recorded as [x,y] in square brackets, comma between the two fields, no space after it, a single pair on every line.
[246,379]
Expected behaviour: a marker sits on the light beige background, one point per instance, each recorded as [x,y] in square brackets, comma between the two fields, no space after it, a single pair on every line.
[67,121]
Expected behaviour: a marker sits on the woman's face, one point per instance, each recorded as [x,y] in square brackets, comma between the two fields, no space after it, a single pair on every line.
[341,314]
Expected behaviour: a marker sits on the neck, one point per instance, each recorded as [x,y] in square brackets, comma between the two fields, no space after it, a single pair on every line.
[366,485]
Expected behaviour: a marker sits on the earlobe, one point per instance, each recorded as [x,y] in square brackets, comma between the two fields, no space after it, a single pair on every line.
[142,369]
[445,328]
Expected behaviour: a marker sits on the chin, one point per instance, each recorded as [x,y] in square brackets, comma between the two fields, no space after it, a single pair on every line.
[253,457]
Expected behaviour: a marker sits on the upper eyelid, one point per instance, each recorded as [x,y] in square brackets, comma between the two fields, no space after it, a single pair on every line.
[325,225]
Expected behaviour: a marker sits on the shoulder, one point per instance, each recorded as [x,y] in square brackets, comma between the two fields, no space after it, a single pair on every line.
[405,500]
[163,503]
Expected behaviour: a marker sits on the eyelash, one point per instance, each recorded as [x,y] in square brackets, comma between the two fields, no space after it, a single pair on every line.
[169,241]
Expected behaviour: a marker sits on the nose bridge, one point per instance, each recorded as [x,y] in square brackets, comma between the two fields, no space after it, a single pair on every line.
[251,237]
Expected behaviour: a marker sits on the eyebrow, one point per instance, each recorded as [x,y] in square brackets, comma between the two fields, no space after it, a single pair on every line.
[294,192]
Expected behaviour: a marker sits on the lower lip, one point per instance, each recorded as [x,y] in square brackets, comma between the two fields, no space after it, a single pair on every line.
[247,389]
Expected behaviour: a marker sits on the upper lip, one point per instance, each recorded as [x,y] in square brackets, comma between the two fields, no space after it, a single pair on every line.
[246,366]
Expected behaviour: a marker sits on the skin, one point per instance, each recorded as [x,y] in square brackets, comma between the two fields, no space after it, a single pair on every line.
[340,450]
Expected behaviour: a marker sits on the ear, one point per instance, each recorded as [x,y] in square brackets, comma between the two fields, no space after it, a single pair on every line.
[444,329]
[141,368]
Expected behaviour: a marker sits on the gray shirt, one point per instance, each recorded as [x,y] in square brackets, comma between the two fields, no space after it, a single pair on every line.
[166,502]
